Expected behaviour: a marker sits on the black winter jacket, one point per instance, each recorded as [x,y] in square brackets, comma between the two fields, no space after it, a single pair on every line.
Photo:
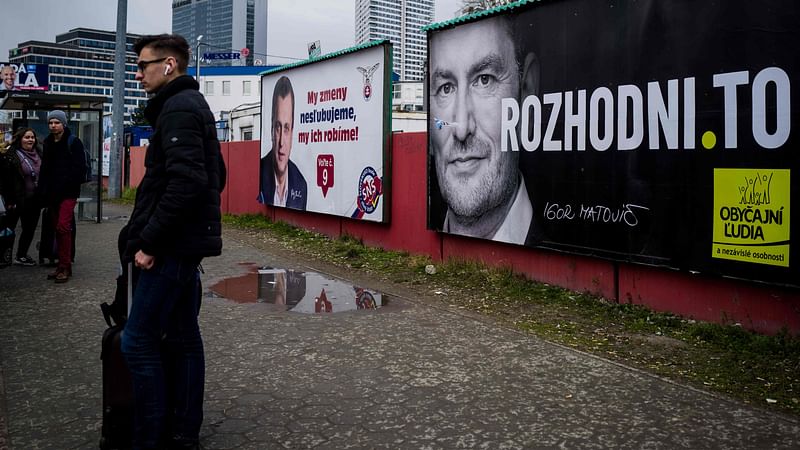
[177,208]
[12,183]
[63,168]
[12,178]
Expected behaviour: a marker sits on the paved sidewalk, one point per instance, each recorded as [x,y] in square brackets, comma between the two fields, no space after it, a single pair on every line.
[407,376]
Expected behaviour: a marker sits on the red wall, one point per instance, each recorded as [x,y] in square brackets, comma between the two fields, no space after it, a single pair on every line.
[406,230]
[755,306]
[578,273]
[137,165]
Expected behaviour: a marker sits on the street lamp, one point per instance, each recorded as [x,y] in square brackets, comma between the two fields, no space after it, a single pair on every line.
[197,59]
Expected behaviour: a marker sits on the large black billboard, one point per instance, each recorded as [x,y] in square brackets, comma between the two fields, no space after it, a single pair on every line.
[650,132]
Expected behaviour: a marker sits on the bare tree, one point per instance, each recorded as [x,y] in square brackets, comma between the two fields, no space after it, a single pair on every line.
[473,6]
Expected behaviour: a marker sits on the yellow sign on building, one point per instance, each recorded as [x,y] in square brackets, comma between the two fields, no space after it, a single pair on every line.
[751,215]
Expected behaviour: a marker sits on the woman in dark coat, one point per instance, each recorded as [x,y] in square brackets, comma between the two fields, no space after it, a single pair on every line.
[20,166]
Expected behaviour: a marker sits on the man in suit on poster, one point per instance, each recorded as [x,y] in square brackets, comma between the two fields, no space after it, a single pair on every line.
[473,67]
[282,183]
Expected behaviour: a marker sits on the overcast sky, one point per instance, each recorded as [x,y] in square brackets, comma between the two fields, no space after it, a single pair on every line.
[289,27]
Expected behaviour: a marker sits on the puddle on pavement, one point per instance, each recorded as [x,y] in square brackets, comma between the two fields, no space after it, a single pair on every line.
[303,292]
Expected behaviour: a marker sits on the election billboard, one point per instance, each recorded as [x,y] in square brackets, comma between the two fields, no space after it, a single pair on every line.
[660,133]
[24,77]
[324,140]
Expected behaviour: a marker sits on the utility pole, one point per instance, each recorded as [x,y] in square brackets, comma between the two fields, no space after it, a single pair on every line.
[197,61]
[118,103]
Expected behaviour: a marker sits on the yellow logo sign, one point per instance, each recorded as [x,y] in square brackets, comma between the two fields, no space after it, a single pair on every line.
[751,215]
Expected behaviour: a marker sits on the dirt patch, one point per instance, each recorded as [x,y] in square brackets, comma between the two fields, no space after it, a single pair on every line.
[666,342]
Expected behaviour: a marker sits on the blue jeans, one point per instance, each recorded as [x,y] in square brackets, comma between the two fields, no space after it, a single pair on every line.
[164,351]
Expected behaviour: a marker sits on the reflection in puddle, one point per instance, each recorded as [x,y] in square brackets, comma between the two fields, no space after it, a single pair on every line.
[304,292]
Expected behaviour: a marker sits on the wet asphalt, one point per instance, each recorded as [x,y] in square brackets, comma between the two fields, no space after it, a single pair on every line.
[409,375]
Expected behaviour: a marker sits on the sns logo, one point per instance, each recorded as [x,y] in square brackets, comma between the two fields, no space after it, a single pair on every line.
[367,75]
[370,189]
[365,299]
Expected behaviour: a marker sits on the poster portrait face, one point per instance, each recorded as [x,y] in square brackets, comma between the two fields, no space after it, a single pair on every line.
[8,77]
[472,69]
[282,125]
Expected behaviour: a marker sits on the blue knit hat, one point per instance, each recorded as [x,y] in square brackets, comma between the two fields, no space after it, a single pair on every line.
[58,115]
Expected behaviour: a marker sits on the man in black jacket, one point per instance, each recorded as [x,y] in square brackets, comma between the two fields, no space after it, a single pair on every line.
[62,173]
[174,224]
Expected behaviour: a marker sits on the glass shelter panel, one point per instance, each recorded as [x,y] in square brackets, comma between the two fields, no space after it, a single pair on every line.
[84,124]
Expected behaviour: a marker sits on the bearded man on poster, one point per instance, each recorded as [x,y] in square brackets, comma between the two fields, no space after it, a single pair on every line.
[473,68]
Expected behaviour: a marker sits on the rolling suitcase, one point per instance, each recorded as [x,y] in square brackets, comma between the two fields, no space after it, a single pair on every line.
[117,428]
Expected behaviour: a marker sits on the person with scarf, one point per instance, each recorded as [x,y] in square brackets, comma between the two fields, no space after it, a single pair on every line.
[20,168]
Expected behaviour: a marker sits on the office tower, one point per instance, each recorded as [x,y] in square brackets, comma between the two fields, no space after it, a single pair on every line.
[81,62]
[226,26]
[398,21]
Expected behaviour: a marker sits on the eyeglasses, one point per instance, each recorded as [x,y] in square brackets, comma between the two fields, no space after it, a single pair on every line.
[142,65]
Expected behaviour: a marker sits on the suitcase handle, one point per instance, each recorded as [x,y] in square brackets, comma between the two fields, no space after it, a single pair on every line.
[130,287]
[115,313]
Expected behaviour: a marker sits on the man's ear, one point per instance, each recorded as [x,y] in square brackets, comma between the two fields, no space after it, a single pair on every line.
[530,75]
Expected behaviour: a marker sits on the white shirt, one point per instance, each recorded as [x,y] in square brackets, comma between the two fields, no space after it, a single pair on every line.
[514,228]
[278,200]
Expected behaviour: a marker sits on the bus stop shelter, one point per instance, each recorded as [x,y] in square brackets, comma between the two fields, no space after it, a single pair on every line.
[84,115]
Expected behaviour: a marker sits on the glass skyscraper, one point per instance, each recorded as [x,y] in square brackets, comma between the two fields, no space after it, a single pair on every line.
[226,26]
[398,21]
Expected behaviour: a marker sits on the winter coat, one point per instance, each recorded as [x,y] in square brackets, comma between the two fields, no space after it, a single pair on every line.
[12,178]
[63,168]
[177,208]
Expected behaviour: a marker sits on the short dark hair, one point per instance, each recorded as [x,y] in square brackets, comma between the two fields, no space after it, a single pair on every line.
[166,45]
[282,88]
